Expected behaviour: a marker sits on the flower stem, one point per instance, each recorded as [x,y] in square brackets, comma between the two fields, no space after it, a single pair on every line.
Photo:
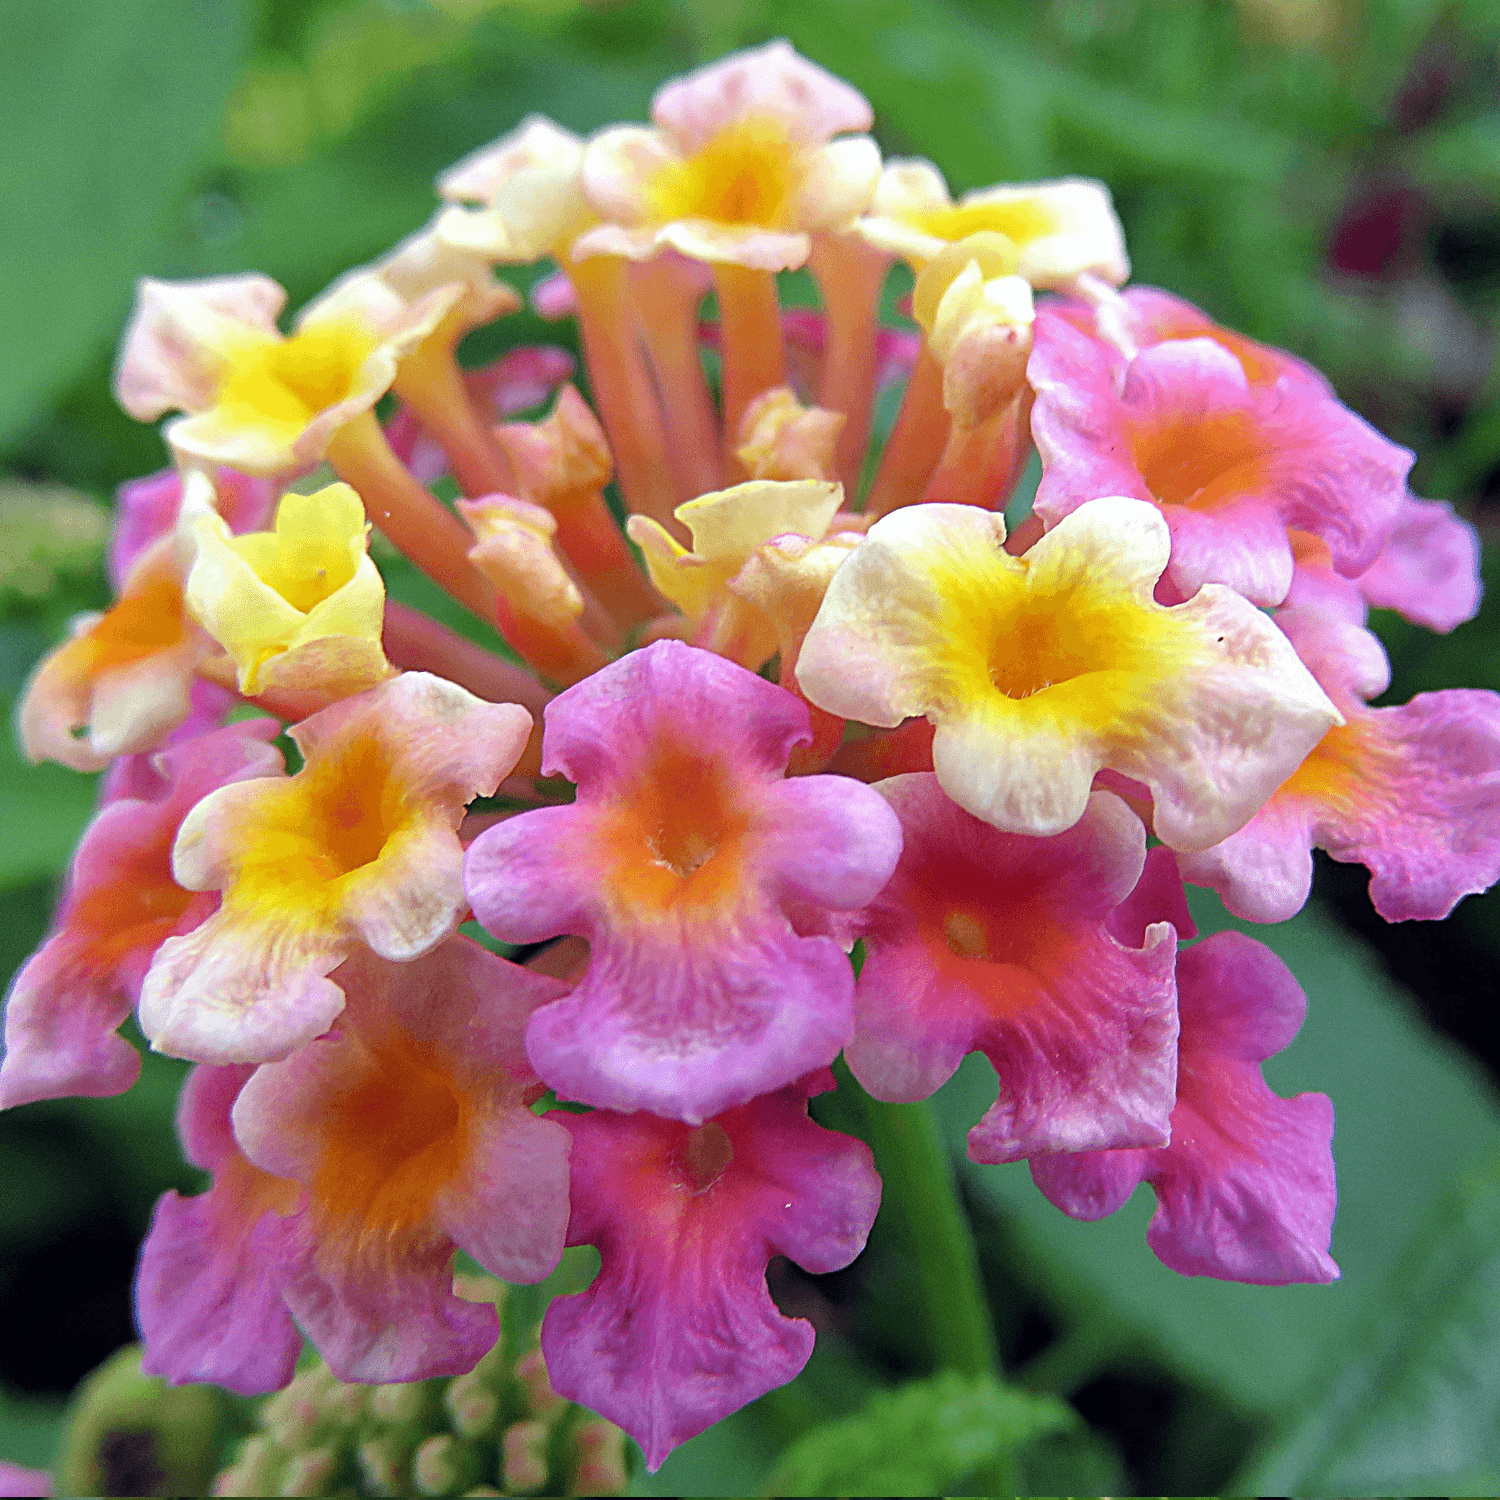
[921,1194]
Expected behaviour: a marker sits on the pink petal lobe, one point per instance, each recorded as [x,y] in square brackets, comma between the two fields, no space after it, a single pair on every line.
[678,1329]
[1245,1191]
[207,1301]
[1429,569]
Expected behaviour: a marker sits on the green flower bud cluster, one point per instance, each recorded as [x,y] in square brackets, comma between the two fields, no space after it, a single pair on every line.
[499,1430]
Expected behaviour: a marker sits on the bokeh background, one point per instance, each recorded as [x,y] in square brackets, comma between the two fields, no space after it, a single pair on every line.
[1323,174]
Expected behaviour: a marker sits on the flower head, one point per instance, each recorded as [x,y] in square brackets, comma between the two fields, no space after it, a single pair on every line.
[678,1329]
[701,880]
[358,848]
[1040,671]
[1245,1189]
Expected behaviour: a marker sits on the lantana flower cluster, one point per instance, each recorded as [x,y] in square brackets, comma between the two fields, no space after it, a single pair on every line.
[812,702]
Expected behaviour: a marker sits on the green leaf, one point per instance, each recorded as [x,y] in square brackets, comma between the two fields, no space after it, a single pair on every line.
[1410,1109]
[1416,1411]
[106,112]
[920,1439]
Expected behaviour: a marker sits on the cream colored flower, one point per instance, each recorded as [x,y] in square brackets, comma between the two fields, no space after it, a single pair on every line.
[256,399]
[1061,229]
[741,167]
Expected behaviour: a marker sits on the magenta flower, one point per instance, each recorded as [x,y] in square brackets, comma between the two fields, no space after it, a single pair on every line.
[1245,1190]
[1413,793]
[206,1298]
[678,1328]
[1234,465]
[1011,946]
[122,904]
[410,1130]
[701,879]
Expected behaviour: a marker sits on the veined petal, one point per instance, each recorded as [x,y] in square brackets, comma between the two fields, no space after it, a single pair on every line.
[1005,944]
[1411,792]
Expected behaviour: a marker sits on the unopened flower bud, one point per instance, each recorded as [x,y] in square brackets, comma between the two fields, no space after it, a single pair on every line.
[525,1451]
[309,1473]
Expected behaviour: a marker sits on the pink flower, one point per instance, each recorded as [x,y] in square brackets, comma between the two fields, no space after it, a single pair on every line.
[206,1297]
[1245,1190]
[701,879]
[409,1129]
[1411,792]
[678,1329]
[121,904]
[1234,465]
[1008,945]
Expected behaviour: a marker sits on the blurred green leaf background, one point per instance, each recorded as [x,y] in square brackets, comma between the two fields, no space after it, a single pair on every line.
[1323,174]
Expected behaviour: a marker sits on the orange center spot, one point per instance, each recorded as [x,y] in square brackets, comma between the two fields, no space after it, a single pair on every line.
[747,174]
[139,625]
[677,838]
[996,942]
[286,382]
[1020,220]
[390,1143]
[1199,461]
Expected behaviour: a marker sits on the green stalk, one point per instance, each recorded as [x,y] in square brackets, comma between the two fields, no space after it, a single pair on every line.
[921,1194]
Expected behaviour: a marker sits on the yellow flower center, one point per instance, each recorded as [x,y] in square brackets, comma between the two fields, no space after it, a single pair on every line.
[1052,639]
[748,174]
[284,383]
[1019,220]
[336,819]
[310,553]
